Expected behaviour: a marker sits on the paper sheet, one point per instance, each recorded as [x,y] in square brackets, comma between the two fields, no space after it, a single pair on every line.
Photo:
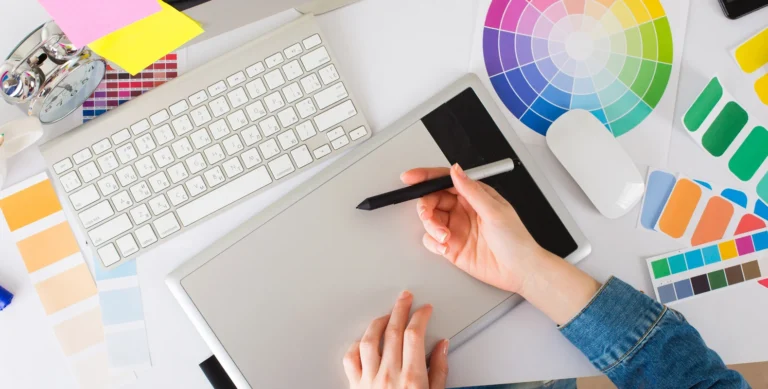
[135,47]
[84,21]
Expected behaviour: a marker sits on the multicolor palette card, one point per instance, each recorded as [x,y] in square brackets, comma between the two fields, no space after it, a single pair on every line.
[689,273]
[752,57]
[726,131]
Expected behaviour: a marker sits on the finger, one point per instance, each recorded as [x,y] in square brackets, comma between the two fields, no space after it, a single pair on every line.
[414,356]
[494,193]
[443,200]
[415,176]
[392,354]
[352,365]
[438,366]
[370,357]
[434,246]
[481,201]
[441,217]
[437,230]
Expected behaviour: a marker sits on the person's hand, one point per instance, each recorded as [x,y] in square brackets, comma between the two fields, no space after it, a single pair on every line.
[399,361]
[476,229]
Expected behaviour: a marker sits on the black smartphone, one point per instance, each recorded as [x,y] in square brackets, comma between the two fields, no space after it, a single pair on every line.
[735,9]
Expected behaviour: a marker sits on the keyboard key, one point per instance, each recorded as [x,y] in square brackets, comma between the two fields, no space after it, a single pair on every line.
[127,245]
[82,156]
[281,166]
[331,95]
[163,157]
[107,185]
[301,156]
[322,151]
[182,148]
[108,162]
[89,172]
[288,117]
[126,153]
[251,135]
[216,89]
[358,133]
[269,149]
[200,138]
[214,154]
[177,195]
[292,92]
[195,163]
[62,166]
[219,106]
[251,158]
[232,167]
[200,115]
[145,167]
[140,214]
[335,115]
[96,214]
[256,88]
[101,146]
[312,41]
[340,142]
[159,183]
[84,197]
[163,134]
[274,60]
[214,176]
[122,201]
[145,236]
[159,117]
[287,139]
[335,133]
[177,173]
[219,129]
[179,107]
[274,79]
[310,83]
[232,145]
[145,144]
[110,230]
[236,79]
[182,125]
[255,69]
[292,51]
[141,191]
[237,97]
[292,70]
[126,175]
[108,255]
[269,126]
[274,102]
[198,98]
[195,186]
[227,194]
[138,128]
[306,130]
[166,225]
[315,59]
[256,111]
[120,136]
[158,205]
[328,74]
[306,108]
[237,120]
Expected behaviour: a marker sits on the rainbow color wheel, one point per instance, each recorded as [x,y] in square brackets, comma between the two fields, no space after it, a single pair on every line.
[610,57]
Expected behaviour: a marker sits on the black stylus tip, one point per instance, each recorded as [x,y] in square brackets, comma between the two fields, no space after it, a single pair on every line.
[365,205]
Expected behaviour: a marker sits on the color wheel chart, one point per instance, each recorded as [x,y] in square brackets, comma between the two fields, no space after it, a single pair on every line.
[610,57]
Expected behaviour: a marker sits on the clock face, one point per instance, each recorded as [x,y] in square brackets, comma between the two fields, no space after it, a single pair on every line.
[72,91]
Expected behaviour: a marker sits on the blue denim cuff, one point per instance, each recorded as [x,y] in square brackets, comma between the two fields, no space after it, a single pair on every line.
[613,324]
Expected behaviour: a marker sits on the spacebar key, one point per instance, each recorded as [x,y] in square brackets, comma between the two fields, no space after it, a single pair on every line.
[223,196]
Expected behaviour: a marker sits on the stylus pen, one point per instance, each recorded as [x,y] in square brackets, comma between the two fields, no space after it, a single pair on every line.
[424,188]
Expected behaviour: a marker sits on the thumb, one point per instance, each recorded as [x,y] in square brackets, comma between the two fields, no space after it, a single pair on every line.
[438,366]
[482,202]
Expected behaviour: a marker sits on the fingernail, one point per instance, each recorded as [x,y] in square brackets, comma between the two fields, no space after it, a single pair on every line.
[421,212]
[460,171]
[443,249]
[405,294]
[442,235]
[446,343]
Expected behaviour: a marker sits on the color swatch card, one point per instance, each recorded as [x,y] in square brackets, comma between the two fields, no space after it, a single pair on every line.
[752,55]
[690,273]
[726,131]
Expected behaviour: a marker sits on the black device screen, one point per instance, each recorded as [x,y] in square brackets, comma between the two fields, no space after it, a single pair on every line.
[735,9]
[467,134]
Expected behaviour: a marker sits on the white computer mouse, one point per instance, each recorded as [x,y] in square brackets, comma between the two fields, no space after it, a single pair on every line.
[597,162]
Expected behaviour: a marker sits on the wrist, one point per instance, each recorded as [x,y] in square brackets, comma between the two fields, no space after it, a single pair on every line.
[531,270]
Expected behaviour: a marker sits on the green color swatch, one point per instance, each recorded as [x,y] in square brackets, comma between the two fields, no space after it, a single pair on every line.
[629,71]
[725,129]
[762,188]
[664,32]
[634,42]
[659,85]
[703,105]
[631,120]
[717,279]
[660,268]
[648,35]
[750,155]
[644,78]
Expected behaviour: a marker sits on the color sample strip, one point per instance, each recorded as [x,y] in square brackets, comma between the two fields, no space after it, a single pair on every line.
[714,221]
[761,88]
[753,54]
[680,208]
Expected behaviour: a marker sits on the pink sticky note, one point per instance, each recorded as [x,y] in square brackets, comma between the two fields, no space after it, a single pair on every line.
[84,21]
[763,282]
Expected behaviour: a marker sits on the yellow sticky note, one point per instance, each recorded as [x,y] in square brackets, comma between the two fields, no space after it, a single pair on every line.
[140,44]
[753,54]
[761,87]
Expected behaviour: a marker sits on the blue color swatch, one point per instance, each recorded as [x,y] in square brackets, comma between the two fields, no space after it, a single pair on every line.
[657,193]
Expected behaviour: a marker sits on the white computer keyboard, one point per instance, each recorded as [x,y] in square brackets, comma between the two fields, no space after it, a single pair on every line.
[181,153]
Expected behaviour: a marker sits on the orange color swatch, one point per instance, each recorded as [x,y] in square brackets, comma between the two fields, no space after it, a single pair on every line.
[30,205]
[80,332]
[47,247]
[749,223]
[728,250]
[66,288]
[680,208]
[714,221]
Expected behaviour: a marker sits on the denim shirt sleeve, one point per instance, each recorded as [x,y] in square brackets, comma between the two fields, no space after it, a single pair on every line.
[639,343]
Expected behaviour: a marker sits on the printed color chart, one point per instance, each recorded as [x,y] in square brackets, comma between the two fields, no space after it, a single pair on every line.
[683,274]
[610,57]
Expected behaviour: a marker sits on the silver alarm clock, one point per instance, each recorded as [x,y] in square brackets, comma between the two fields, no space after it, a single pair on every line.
[47,76]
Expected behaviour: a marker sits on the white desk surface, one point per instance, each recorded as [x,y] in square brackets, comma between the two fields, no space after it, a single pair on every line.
[395,53]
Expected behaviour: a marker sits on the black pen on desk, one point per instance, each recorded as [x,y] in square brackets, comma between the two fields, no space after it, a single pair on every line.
[424,188]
